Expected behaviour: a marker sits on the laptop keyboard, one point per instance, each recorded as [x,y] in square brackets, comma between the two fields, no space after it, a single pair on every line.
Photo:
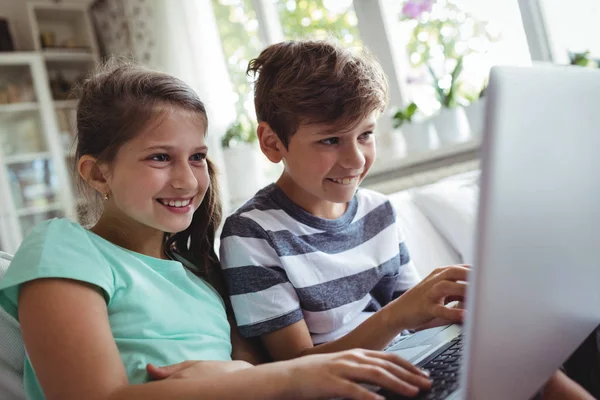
[443,366]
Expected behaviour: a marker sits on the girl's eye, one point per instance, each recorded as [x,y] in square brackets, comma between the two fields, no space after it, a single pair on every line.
[330,141]
[366,136]
[198,157]
[160,157]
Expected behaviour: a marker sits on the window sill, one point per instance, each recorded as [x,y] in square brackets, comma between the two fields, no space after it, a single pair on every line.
[387,169]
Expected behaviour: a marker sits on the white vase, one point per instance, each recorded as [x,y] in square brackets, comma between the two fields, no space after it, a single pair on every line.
[243,166]
[419,136]
[390,145]
[476,116]
[452,125]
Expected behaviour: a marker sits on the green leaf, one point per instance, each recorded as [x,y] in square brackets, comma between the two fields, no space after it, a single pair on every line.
[452,97]
[406,115]
[441,95]
[411,110]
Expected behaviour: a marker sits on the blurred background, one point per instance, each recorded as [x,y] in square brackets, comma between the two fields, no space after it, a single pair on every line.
[436,53]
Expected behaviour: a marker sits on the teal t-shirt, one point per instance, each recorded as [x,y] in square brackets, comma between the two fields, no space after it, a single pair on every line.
[159,312]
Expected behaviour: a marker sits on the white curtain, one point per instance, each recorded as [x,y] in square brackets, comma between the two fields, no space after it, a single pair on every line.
[180,38]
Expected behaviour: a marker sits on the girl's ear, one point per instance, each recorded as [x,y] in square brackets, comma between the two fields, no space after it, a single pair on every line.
[269,142]
[94,173]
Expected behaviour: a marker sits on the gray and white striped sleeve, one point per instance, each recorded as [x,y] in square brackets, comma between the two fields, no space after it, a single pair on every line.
[262,296]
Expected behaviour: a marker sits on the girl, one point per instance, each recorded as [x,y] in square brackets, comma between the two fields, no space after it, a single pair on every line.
[100,308]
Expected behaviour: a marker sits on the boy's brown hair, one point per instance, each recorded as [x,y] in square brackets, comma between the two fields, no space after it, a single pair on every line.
[312,82]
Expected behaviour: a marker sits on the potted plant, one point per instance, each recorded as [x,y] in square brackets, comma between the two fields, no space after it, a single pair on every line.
[475,112]
[417,135]
[583,59]
[451,123]
[243,161]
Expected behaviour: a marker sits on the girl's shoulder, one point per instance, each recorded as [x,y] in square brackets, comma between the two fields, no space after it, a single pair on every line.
[58,248]
[57,239]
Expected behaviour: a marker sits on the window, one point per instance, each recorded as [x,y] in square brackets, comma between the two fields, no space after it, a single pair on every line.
[572,27]
[437,34]
[238,28]
[319,19]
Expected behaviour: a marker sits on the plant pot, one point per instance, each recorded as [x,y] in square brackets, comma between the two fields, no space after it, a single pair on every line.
[243,167]
[476,117]
[452,125]
[419,136]
[390,144]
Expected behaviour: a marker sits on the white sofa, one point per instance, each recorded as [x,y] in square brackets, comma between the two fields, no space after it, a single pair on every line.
[439,221]
[12,352]
[438,225]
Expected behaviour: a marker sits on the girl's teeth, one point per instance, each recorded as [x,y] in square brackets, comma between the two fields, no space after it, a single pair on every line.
[176,203]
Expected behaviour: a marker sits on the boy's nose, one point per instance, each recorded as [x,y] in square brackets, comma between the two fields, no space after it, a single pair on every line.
[353,158]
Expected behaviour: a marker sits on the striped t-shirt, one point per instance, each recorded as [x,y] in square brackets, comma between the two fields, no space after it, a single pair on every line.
[283,264]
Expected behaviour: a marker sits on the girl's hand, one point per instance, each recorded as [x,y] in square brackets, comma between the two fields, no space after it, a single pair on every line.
[195,369]
[326,376]
[424,305]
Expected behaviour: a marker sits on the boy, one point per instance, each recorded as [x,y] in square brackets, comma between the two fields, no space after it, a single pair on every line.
[314,264]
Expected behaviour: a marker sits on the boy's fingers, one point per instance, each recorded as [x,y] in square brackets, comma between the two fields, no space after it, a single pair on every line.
[455,273]
[444,289]
[440,270]
[460,300]
[449,314]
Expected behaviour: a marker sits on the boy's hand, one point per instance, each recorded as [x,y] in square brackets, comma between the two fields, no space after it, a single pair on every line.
[424,305]
[194,369]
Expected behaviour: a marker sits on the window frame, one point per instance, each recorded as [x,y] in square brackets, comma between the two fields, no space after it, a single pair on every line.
[375,34]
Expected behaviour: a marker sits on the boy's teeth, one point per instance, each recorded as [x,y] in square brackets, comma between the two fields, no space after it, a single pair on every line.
[344,181]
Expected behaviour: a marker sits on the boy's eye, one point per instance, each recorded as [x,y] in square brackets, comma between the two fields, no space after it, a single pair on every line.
[330,141]
[198,157]
[159,157]
[366,135]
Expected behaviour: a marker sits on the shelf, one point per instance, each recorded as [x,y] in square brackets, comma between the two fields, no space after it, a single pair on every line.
[68,56]
[19,107]
[18,58]
[27,157]
[39,209]
[65,103]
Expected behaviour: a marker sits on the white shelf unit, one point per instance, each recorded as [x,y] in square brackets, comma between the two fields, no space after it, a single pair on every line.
[67,56]
[37,134]
[26,157]
[33,172]
[18,107]
[69,24]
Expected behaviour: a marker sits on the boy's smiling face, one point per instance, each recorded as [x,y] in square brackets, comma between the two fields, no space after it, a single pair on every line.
[324,166]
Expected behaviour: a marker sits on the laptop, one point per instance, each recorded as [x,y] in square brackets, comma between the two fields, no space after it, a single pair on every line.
[534,292]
